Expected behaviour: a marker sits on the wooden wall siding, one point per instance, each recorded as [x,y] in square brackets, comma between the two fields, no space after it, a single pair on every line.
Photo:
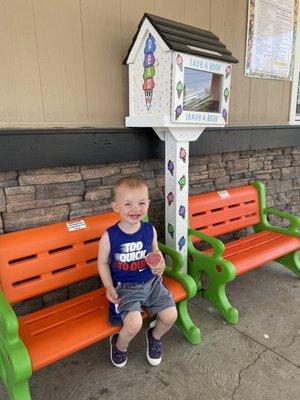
[236,24]
[20,95]
[61,60]
[60,53]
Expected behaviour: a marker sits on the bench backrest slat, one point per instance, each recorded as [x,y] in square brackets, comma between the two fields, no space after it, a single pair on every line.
[38,260]
[217,213]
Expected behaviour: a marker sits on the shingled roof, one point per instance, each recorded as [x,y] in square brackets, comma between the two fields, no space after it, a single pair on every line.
[186,39]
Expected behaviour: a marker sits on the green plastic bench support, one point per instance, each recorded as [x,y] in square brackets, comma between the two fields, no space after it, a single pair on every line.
[184,322]
[15,365]
[291,260]
[215,243]
[218,270]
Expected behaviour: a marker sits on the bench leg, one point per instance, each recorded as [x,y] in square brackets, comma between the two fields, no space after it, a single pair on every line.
[216,295]
[16,390]
[186,325]
[19,391]
[195,273]
[15,370]
[215,292]
[291,261]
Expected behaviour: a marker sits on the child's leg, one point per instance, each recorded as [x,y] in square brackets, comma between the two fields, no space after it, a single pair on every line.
[132,324]
[165,320]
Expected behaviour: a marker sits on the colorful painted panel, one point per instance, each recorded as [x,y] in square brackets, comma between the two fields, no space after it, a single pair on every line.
[149,70]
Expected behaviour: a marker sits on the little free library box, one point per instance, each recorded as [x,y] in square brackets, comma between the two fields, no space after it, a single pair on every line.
[178,75]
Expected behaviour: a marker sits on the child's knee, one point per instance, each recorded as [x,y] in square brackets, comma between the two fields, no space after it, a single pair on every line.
[133,322]
[168,316]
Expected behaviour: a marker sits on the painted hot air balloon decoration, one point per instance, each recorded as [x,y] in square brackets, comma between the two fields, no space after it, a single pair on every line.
[171,167]
[170,198]
[182,154]
[181,243]
[182,211]
[171,230]
[182,182]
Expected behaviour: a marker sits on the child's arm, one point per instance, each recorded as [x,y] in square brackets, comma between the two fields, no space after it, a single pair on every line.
[161,267]
[104,270]
[154,242]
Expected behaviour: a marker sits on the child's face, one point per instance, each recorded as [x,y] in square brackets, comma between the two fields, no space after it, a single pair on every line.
[131,204]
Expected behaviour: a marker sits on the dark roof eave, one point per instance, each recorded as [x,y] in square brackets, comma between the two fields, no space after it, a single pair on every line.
[158,22]
[185,49]
[134,38]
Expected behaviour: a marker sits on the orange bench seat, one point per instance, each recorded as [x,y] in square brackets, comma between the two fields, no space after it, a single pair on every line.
[81,322]
[260,248]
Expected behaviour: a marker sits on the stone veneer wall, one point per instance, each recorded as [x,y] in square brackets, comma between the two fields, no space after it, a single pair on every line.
[36,197]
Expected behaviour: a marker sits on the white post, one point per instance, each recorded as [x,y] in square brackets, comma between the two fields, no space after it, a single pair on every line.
[176,193]
[177,185]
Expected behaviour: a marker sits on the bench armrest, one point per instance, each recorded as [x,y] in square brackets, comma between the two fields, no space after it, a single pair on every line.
[215,243]
[175,271]
[293,229]
[8,320]
[176,257]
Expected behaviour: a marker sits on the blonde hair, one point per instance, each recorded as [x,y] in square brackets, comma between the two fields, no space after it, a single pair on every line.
[130,182]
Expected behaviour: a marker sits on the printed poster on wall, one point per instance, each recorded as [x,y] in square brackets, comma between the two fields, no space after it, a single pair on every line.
[271,38]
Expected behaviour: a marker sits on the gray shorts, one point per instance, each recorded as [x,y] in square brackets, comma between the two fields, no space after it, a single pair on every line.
[151,295]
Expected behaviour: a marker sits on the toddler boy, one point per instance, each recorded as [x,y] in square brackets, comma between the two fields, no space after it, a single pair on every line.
[129,282]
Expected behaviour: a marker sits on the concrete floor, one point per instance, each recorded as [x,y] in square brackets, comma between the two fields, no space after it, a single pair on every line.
[258,359]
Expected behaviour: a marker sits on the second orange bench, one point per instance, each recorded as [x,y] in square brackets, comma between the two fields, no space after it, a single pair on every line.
[227,211]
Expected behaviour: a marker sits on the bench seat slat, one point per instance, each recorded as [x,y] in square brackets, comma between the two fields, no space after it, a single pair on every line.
[257,249]
[81,322]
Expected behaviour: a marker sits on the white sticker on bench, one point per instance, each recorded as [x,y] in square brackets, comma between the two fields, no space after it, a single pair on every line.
[75,226]
[223,194]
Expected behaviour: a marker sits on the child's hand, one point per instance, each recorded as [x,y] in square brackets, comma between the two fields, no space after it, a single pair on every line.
[159,269]
[112,295]
[156,262]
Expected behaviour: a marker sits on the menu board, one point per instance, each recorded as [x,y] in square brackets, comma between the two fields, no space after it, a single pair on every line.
[271,38]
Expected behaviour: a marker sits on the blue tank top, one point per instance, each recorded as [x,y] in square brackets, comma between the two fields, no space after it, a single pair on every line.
[128,252]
